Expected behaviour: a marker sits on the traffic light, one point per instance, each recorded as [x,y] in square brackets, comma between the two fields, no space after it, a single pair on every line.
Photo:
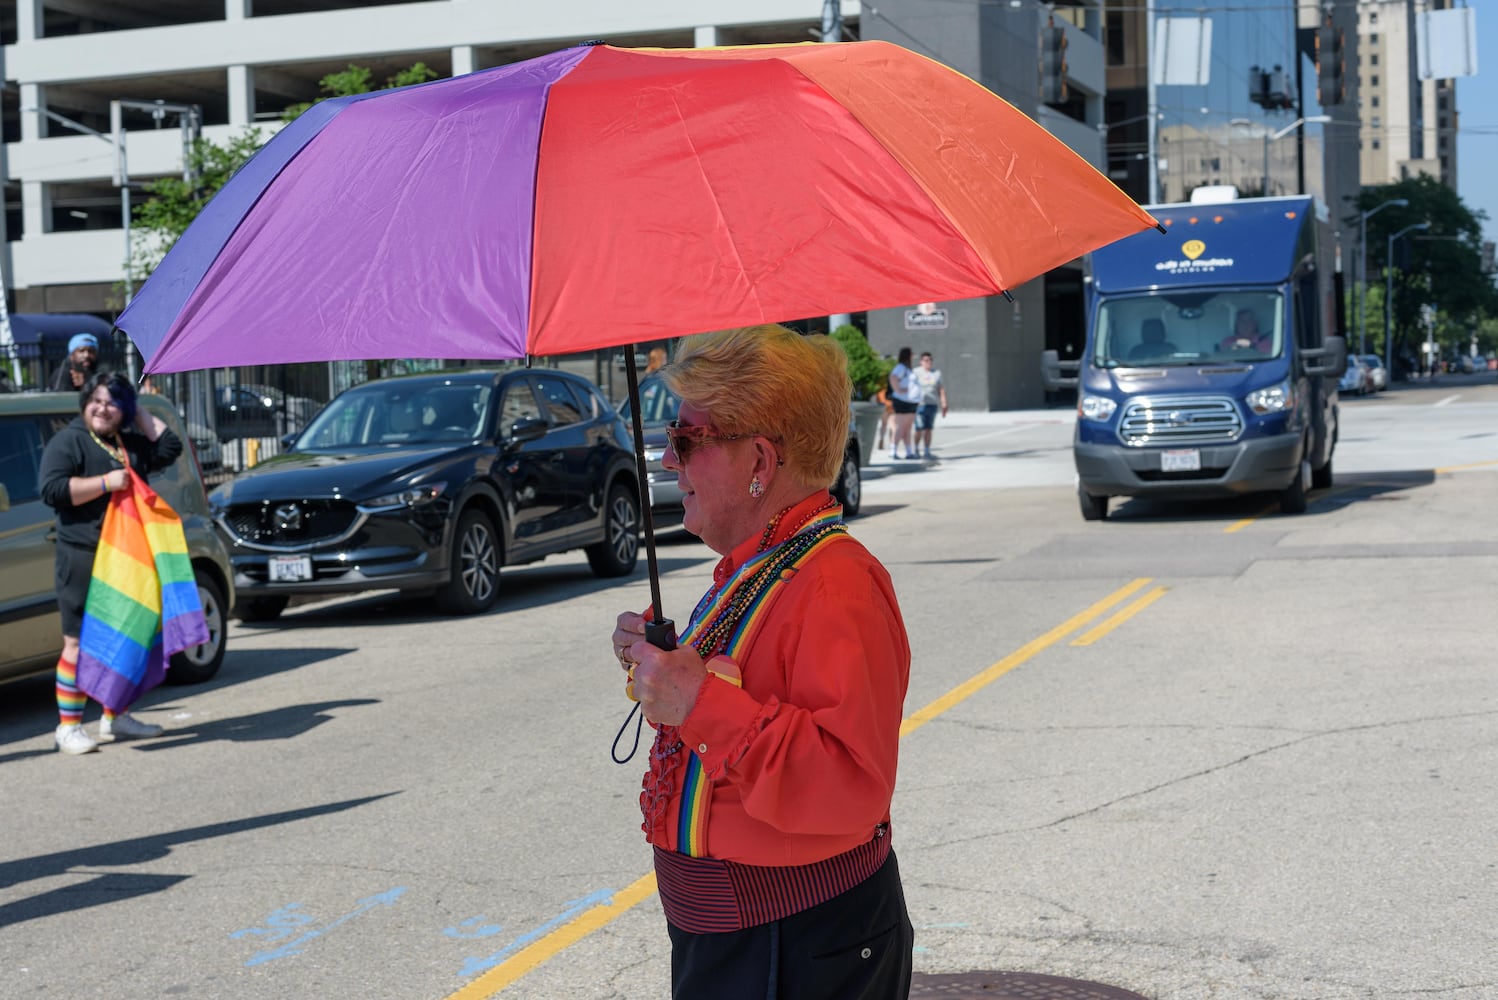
[1331,65]
[1052,65]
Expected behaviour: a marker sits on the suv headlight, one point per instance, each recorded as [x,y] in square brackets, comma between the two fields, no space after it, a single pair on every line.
[1271,398]
[415,496]
[1098,408]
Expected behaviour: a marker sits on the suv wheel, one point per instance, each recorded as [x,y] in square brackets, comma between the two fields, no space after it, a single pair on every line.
[620,549]
[849,486]
[474,563]
[261,609]
[201,662]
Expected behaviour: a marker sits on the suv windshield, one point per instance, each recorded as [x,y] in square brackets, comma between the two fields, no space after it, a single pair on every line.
[399,414]
[658,404]
[1188,329]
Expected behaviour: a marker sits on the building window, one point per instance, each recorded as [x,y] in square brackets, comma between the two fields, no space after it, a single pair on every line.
[1376,144]
[1375,101]
[1114,36]
[1373,80]
[1441,103]
[1373,59]
[1377,123]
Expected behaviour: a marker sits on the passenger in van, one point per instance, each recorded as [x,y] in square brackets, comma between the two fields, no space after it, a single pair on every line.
[1246,335]
[1152,342]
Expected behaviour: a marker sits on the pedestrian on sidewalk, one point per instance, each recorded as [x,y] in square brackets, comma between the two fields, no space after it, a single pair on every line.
[933,398]
[905,396]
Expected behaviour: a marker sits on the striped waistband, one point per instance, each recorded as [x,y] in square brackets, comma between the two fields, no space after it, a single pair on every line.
[712,896]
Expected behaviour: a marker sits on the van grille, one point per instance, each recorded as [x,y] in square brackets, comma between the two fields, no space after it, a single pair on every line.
[1171,420]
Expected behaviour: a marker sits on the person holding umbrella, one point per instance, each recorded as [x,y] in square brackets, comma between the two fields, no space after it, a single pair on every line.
[767,798]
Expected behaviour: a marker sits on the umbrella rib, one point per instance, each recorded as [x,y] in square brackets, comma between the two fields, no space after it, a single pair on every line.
[718,204]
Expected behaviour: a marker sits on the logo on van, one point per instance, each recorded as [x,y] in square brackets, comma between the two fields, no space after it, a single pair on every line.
[1193,249]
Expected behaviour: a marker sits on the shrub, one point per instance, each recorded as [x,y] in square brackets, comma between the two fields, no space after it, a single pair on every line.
[868,371]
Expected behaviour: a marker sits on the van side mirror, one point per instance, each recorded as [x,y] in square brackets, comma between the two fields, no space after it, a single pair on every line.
[1057,374]
[1329,360]
[4,499]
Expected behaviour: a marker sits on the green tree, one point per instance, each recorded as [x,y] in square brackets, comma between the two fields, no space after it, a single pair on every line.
[866,369]
[355,80]
[1441,266]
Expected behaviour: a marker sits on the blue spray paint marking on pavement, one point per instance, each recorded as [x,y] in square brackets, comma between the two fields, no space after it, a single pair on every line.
[285,920]
[474,966]
[473,927]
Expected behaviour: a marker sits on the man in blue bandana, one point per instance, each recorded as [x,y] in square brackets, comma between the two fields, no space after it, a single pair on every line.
[82,363]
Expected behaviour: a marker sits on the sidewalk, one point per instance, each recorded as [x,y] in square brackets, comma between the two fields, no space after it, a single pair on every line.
[981,450]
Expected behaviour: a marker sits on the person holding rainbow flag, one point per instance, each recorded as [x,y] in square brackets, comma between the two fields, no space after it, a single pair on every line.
[103,452]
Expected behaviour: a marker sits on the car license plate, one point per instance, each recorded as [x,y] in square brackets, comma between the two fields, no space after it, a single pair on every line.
[1181,460]
[289,569]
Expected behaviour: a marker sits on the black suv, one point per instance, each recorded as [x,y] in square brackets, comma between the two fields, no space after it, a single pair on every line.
[430,483]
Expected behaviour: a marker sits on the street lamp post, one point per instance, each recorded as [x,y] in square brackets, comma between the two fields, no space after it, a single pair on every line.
[1360,293]
[1389,291]
[191,117]
[1268,138]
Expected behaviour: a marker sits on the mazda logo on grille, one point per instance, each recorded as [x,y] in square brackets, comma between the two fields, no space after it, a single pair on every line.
[288,517]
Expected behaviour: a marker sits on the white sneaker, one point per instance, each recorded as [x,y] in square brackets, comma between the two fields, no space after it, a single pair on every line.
[72,739]
[125,727]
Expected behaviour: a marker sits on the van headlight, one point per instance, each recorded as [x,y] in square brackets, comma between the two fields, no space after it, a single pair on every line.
[413,497]
[1097,408]
[1272,398]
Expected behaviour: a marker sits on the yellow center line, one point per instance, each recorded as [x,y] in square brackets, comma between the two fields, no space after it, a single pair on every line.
[1469,465]
[977,682]
[643,888]
[1095,633]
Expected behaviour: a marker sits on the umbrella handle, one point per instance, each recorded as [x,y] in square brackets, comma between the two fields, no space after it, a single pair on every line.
[661,633]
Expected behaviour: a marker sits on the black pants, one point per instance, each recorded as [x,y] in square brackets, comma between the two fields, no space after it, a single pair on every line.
[856,946]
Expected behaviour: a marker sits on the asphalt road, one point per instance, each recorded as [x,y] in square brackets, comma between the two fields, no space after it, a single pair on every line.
[1207,751]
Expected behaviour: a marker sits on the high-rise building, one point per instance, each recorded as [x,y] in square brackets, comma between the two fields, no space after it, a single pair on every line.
[1409,125]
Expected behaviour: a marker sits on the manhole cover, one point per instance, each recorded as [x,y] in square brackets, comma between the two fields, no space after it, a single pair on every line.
[1012,986]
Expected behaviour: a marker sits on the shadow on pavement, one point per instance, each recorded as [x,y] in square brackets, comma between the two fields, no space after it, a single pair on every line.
[110,887]
[1347,489]
[31,704]
[275,724]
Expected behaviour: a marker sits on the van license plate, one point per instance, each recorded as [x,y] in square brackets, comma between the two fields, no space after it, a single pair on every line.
[289,569]
[1181,460]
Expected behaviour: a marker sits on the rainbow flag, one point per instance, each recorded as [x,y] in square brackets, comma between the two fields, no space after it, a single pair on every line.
[142,602]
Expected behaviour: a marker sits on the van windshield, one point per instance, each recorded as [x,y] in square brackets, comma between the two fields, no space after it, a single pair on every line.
[1188,329]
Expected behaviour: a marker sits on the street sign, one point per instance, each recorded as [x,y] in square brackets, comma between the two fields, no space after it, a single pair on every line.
[916,319]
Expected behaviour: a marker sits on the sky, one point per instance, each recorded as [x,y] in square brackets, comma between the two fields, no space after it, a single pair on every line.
[1477,140]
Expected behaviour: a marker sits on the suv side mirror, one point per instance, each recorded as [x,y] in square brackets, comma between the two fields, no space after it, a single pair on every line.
[4,499]
[1329,360]
[527,429]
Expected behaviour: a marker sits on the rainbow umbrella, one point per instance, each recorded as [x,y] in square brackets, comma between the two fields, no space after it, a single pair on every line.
[598,197]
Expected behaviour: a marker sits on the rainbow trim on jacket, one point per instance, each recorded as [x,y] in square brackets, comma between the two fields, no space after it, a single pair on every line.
[759,580]
[143,601]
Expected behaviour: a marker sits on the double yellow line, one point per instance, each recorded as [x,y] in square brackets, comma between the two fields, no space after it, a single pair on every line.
[568,934]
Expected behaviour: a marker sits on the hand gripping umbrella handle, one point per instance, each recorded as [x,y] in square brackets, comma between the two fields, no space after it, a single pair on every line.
[661,633]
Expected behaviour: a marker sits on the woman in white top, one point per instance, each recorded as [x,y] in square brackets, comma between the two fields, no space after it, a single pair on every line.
[905,394]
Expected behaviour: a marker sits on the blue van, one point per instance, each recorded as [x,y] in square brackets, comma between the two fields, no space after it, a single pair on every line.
[1211,362]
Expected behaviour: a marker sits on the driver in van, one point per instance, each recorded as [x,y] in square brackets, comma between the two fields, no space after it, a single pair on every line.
[1246,335]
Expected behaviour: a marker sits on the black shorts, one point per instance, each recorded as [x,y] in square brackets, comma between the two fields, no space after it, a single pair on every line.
[903,407]
[74,572]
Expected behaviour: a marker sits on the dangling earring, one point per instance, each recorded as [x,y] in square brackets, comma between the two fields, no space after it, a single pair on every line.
[756,488]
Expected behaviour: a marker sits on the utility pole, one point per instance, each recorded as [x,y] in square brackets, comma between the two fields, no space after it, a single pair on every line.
[832,31]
